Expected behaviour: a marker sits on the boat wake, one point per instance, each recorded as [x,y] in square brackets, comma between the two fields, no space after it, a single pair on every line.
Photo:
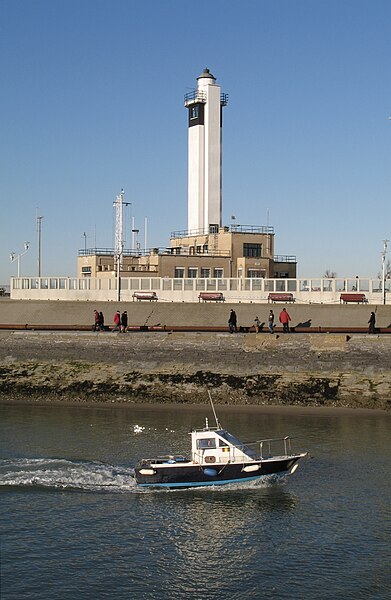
[62,474]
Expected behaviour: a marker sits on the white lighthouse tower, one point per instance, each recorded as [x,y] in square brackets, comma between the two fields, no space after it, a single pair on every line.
[205,157]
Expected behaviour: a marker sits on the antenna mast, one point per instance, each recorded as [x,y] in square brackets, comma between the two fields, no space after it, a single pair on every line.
[119,236]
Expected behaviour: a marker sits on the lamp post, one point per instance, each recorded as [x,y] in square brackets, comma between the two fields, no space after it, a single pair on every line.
[383,259]
[17,257]
[39,232]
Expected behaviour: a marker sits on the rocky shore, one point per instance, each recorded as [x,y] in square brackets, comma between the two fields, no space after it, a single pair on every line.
[255,369]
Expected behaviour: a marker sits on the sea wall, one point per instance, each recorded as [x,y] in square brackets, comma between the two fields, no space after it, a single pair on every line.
[291,369]
[171,314]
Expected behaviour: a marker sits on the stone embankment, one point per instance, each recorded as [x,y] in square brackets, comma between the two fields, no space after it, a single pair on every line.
[262,369]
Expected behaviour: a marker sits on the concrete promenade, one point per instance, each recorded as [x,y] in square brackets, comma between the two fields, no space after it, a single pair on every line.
[209,315]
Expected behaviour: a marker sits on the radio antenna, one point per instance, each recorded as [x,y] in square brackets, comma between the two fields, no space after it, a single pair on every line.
[214,412]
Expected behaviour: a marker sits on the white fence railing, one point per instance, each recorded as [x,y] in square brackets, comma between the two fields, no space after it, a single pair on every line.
[307,291]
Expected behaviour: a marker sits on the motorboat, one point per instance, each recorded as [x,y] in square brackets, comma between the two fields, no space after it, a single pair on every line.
[219,458]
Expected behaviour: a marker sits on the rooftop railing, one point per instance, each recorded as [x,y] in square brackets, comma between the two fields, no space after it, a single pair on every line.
[178,251]
[215,229]
[285,259]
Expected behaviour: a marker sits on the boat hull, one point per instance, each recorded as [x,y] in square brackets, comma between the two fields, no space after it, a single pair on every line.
[190,475]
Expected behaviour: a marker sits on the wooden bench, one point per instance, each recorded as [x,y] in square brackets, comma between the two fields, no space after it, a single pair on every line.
[359,298]
[151,296]
[211,297]
[280,297]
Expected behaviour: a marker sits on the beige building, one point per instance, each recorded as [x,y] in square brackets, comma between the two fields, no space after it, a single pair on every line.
[236,251]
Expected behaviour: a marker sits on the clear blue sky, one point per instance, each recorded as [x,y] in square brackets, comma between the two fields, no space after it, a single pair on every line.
[92,101]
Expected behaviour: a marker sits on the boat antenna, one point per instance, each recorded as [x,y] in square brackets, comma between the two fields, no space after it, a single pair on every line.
[214,412]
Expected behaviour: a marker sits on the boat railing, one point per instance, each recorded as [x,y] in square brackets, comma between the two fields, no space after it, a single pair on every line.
[169,458]
[267,448]
[272,447]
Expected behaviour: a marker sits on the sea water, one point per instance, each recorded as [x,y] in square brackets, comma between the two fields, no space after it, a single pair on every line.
[75,525]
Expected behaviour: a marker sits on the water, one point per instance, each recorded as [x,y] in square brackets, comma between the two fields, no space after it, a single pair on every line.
[74,525]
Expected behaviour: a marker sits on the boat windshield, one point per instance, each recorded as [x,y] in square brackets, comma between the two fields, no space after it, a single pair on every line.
[234,441]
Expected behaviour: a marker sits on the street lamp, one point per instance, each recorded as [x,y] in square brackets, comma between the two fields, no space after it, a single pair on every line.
[17,257]
[383,260]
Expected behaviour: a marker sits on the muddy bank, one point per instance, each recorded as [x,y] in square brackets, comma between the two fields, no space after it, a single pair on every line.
[303,370]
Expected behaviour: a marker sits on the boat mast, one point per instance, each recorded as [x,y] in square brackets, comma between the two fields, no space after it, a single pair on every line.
[214,412]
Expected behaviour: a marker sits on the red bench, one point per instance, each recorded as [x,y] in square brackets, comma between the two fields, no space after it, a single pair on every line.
[151,296]
[359,298]
[211,297]
[280,297]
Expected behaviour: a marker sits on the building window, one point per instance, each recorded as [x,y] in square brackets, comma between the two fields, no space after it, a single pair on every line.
[252,250]
[86,271]
[218,273]
[253,273]
[192,272]
[205,273]
[179,273]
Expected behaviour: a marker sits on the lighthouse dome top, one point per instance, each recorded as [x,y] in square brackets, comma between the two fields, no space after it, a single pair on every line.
[206,74]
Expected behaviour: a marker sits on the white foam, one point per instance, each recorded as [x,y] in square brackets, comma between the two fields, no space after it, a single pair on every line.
[65,474]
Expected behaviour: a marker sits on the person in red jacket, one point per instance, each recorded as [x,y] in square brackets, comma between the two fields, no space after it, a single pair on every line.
[117,321]
[284,319]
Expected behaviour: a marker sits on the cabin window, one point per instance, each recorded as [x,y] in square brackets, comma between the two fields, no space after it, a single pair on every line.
[222,443]
[206,443]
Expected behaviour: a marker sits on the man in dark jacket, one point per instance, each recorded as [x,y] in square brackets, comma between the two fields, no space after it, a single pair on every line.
[124,321]
[372,323]
[232,321]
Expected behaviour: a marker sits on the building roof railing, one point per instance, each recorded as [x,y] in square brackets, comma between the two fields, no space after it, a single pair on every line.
[125,252]
[214,229]
[285,258]
[178,251]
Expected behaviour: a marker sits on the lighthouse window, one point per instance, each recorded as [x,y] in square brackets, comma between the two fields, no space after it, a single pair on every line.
[194,112]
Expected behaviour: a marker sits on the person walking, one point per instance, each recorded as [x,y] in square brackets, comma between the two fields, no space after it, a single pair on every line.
[257,325]
[284,319]
[232,321]
[101,321]
[96,321]
[124,321]
[372,323]
[270,321]
[117,321]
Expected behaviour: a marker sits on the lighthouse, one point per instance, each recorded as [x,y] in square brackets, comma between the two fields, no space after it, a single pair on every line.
[205,106]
